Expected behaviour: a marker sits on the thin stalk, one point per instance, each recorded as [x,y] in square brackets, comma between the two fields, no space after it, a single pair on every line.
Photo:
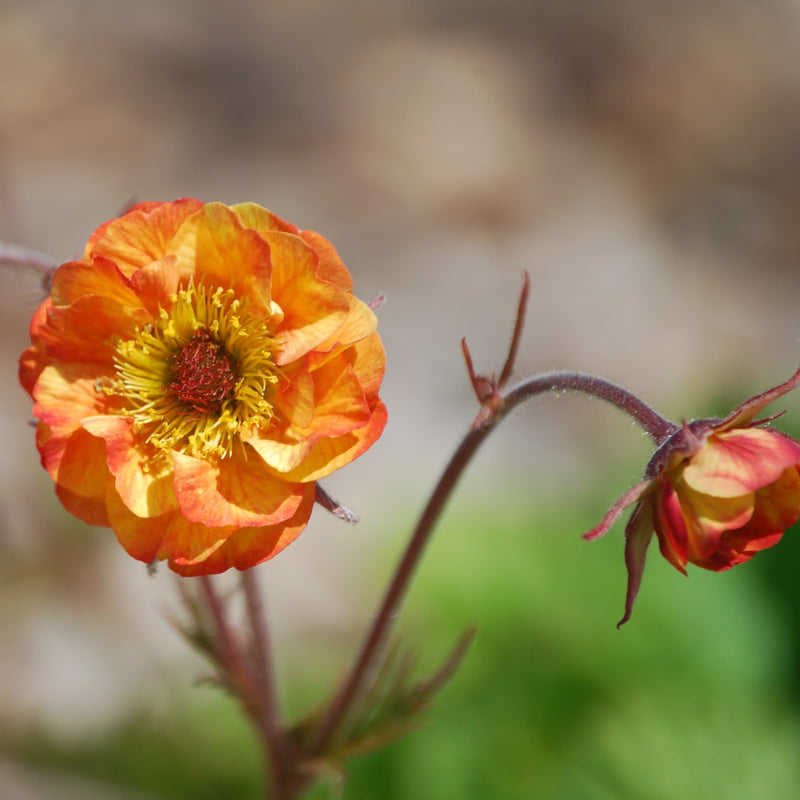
[657,427]
[16,257]
[654,424]
[230,654]
[265,696]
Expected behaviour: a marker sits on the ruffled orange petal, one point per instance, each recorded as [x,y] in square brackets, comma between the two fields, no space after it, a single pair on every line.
[88,330]
[155,283]
[67,393]
[252,215]
[91,510]
[294,398]
[169,536]
[33,360]
[339,408]
[101,277]
[359,325]
[301,462]
[312,309]
[142,235]
[215,250]
[238,491]
[331,268]
[74,462]
[250,546]
[368,360]
[145,488]
[340,403]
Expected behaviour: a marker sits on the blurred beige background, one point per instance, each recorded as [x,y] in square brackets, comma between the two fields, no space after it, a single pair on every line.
[639,159]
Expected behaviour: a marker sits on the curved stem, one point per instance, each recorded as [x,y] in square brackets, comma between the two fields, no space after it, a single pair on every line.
[656,426]
[397,588]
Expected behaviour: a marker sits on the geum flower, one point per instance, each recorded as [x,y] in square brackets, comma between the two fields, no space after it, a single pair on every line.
[715,493]
[195,374]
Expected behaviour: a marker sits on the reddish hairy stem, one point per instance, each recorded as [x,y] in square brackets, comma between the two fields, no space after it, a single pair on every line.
[265,697]
[252,682]
[230,654]
[657,427]
[16,257]
[654,424]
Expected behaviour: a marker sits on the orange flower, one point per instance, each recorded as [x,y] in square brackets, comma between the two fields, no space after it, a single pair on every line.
[194,374]
[715,493]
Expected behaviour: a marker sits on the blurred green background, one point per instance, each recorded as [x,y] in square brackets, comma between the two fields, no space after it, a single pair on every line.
[639,158]
[697,696]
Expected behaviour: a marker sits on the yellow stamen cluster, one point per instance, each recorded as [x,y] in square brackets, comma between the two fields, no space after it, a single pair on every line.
[146,373]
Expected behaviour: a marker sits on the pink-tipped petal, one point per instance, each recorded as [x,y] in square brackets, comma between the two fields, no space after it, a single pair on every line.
[741,461]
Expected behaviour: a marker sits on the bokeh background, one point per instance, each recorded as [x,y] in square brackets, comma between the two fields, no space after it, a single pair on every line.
[640,159]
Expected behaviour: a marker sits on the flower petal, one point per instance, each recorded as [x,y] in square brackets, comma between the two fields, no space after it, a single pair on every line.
[294,397]
[777,507]
[101,277]
[91,510]
[313,309]
[252,215]
[142,235]
[360,323]
[145,488]
[87,330]
[301,463]
[169,536]
[215,250]
[33,360]
[75,463]
[250,546]
[155,283]
[737,462]
[670,526]
[707,517]
[330,269]
[238,491]
[67,393]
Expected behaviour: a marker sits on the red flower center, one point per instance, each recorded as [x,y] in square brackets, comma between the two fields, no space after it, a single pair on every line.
[203,374]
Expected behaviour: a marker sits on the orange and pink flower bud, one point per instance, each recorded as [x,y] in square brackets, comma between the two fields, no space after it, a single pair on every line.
[715,493]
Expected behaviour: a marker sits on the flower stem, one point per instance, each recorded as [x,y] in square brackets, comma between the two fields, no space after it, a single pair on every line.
[654,424]
[657,427]
[265,698]
[250,677]
[229,653]
[16,257]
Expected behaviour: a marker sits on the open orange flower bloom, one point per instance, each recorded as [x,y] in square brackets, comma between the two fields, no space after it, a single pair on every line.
[194,374]
[715,493]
